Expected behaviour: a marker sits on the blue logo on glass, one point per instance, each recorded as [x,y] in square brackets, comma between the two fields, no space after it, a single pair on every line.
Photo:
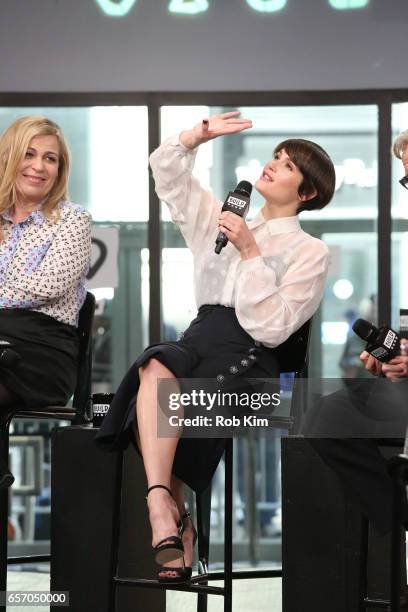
[267,6]
[188,7]
[120,8]
[116,8]
[348,4]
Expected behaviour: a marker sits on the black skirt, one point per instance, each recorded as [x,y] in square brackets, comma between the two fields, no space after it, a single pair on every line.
[214,346]
[46,374]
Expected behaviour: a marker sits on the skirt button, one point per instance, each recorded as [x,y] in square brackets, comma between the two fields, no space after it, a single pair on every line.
[233,369]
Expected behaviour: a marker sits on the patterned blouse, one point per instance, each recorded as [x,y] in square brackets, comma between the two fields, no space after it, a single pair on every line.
[43,263]
[273,294]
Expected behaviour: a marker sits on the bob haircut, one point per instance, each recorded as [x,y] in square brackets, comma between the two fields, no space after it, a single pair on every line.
[14,143]
[317,169]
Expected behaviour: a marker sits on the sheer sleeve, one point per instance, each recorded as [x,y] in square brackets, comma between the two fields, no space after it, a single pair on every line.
[194,209]
[271,309]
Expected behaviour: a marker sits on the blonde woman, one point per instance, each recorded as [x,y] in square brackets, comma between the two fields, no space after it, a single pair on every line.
[45,244]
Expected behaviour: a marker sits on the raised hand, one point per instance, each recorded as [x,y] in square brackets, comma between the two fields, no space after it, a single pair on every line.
[217,125]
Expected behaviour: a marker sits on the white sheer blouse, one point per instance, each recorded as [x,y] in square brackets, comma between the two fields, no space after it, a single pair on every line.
[273,294]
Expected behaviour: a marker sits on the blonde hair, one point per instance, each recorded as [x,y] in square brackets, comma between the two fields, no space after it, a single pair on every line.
[400,144]
[14,143]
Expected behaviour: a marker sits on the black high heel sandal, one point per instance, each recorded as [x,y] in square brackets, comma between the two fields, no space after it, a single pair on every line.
[170,548]
[182,574]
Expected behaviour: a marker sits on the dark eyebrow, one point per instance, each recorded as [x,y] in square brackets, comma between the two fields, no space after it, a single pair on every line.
[45,153]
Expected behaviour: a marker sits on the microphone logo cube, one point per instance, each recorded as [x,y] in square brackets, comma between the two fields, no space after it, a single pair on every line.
[236,203]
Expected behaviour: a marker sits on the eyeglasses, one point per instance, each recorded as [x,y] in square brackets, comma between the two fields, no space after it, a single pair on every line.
[404,182]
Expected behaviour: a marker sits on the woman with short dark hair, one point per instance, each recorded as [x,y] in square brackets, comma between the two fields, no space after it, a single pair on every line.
[264,285]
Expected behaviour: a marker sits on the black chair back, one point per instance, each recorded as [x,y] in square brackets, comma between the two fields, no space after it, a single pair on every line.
[81,409]
[82,393]
[293,353]
[80,412]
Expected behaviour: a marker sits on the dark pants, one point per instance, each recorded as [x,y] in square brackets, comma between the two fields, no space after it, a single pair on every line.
[346,427]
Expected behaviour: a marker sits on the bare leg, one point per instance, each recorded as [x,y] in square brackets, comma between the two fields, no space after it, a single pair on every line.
[177,487]
[158,453]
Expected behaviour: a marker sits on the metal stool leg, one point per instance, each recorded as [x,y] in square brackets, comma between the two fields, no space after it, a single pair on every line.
[116,534]
[203,505]
[228,527]
[3,541]
[363,564]
[4,496]
[399,490]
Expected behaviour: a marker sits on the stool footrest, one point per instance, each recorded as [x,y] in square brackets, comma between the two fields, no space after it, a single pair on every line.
[28,559]
[155,584]
[239,575]
[377,603]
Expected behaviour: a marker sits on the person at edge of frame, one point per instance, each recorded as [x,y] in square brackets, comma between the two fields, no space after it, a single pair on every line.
[45,250]
[264,285]
[343,428]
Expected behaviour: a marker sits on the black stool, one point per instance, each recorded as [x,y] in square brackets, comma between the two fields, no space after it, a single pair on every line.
[398,468]
[292,356]
[79,413]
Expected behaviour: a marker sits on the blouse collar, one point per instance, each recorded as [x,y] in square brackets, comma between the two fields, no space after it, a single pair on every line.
[36,216]
[281,225]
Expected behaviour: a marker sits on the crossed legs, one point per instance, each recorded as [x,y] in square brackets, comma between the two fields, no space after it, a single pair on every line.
[158,457]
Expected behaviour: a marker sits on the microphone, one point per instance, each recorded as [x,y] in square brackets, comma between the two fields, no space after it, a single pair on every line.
[383,343]
[8,358]
[237,201]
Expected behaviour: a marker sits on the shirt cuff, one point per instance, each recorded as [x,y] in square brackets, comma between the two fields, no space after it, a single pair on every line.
[175,140]
[246,265]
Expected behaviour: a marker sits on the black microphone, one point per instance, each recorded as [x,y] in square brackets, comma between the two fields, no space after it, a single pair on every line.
[8,358]
[383,343]
[237,201]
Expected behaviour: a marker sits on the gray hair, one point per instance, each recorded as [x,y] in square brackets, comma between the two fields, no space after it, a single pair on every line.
[400,143]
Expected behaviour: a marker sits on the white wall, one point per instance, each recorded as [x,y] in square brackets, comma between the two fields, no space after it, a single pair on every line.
[71,45]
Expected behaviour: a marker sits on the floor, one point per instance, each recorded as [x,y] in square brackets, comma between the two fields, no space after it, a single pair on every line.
[254,595]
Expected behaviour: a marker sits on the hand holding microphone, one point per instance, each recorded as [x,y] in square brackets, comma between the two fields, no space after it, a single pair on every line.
[385,353]
[236,206]
[383,343]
